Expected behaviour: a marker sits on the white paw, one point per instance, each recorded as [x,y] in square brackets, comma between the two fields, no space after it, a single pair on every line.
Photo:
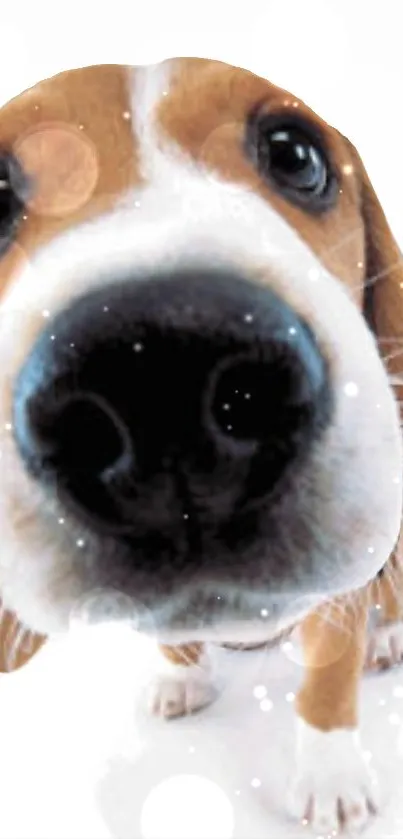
[179,690]
[385,646]
[333,790]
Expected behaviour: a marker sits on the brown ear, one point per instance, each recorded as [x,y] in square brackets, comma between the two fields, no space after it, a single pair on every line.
[17,644]
[383,307]
[383,293]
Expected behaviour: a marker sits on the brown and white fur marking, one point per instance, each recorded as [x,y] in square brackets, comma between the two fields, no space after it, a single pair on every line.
[160,179]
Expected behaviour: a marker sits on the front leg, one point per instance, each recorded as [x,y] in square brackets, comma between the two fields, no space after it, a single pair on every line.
[183,682]
[334,788]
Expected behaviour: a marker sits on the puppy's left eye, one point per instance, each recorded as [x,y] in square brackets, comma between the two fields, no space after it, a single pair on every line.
[291,156]
[13,194]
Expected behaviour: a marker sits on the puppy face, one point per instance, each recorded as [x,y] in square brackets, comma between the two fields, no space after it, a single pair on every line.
[193,408]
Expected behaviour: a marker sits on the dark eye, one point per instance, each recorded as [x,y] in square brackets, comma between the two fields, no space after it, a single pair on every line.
[291,156]
[13,194]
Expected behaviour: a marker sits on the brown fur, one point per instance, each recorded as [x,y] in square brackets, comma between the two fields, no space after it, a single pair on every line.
[334,652]
[185,654]
[17,645]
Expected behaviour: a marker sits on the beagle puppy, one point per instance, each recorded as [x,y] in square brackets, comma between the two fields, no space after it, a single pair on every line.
[201,321]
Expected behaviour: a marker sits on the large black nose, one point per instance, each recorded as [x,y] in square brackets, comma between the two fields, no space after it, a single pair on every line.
[198,386]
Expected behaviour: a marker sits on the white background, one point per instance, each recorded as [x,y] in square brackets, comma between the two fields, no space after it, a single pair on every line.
[76,757]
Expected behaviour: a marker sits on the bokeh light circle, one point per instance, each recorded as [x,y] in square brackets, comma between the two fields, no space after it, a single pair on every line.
[187,807]
[62,164]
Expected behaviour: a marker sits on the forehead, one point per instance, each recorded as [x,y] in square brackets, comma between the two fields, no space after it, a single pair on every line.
[77,135]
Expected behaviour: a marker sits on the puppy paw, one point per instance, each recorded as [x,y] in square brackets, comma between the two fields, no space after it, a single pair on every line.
[179,690]
[385,646]
[333,791]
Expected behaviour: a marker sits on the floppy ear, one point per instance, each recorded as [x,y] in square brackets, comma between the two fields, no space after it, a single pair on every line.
[383,308]
[383,290]
[17,644]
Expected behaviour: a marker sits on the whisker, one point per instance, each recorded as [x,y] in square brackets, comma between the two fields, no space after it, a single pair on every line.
[370,281]
[395,380]
[392,355]
[341,242]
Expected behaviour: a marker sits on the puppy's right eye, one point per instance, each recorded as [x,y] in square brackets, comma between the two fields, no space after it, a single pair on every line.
[14,190]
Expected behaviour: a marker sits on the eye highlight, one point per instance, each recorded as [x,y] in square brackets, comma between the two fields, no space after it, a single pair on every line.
[13,194]
[291,157]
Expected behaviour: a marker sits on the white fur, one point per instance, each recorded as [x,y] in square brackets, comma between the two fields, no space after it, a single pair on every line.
[186,214]
[178,689]
[385,645]
[332,771]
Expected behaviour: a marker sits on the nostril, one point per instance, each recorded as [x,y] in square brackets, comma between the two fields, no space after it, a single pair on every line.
[254,399]
[89,436]
[81,434]
[240,396]
[82,442]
